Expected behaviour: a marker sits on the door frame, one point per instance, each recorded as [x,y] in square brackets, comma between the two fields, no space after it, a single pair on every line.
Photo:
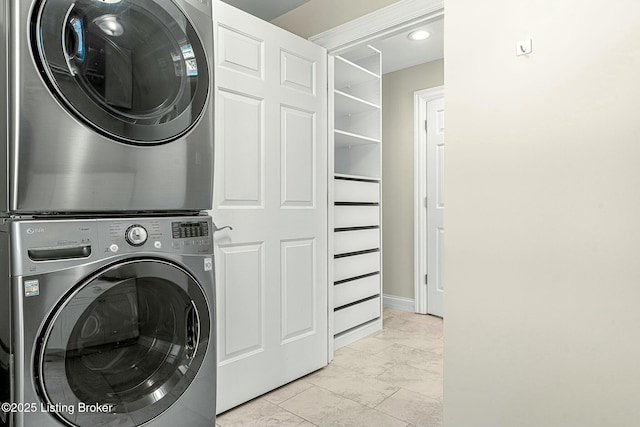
[378,24]
[420,252]
[365,29]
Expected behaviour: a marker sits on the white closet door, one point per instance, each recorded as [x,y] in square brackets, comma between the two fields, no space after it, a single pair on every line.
[435,207]
[270,185]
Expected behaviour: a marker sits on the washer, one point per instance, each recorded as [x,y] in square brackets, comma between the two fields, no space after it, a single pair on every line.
[109,106]
[111,322]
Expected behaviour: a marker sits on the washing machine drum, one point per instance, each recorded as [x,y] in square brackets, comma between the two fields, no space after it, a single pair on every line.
[124,345]
[135,71]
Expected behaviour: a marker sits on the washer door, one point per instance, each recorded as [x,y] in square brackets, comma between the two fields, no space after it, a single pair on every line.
[129,340]
[133,70]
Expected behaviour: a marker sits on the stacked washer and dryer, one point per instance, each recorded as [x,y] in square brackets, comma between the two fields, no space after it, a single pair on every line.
[106,252]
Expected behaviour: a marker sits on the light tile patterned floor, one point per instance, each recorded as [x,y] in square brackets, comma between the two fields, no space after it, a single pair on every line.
[390,379]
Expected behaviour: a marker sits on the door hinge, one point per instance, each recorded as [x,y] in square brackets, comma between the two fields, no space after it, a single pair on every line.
[426,128]
[426,203]
[426,279]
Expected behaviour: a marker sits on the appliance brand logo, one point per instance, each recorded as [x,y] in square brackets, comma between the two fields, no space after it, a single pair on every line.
[35,230]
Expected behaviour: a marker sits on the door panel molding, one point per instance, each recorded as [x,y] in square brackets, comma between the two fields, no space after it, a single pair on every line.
[241,300]
[297,72]
[243,147]
[298,283]
[249,61]
[298,162]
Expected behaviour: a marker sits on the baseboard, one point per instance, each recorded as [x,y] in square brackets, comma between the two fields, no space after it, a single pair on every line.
[357,333]
[399,303]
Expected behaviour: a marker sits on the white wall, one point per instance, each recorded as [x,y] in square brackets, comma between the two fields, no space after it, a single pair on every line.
[397,172]
[542,257]
[317,16]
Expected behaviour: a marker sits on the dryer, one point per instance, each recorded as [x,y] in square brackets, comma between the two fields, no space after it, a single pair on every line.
[109,106]
[111,322]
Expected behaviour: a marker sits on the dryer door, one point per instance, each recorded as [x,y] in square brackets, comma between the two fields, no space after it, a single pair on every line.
[133,70]
[124,346]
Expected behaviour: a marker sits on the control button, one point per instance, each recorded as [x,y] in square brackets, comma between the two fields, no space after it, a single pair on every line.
[114,248]
[157,244]
[136,235]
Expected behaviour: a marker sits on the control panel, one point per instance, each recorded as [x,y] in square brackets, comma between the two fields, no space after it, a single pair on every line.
[46,245]
[187,235]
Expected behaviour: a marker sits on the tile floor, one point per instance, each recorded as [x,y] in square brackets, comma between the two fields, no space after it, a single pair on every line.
[391,378]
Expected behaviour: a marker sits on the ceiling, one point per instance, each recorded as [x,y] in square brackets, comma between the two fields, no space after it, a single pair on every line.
[398,52]
[266,9]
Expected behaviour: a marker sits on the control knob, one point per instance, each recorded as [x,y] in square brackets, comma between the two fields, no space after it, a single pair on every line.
[136,235]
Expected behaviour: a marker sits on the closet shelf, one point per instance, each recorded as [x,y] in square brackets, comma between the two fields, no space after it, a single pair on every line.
[367,57]
[346,104]
[349,74]
[347,139]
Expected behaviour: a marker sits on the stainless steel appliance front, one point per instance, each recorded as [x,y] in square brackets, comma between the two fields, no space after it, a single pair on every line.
[111,323]
[109,106]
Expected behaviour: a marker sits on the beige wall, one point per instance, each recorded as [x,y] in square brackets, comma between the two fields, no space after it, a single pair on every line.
[542,177]
[317,16]
[397,172]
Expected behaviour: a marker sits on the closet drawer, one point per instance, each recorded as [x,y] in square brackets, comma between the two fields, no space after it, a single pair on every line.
[355,315]
[355,240]
[356,265]
[356,216]
[355,290]
[356,191]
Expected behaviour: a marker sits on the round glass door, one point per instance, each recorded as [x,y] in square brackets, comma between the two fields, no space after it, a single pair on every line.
[124,345]
[135,71]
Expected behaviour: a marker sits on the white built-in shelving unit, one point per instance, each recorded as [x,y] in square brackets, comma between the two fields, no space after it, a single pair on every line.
[357,264]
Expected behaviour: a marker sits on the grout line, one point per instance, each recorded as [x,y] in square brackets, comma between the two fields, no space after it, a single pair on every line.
[361,404]
[388,397]
[290,412]
[301,380]
[297,415]
[413,392]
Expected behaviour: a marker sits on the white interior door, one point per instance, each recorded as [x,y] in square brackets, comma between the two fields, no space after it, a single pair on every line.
[435,205]
[270,185]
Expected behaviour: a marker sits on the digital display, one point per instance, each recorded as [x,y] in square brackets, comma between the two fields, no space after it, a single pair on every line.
[183,230]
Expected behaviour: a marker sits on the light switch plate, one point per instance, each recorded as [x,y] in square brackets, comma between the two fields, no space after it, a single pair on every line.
[523,47]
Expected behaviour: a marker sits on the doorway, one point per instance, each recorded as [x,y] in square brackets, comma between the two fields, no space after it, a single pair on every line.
[394,22]
[400,267]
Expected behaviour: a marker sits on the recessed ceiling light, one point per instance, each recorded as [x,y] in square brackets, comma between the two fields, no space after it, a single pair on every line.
[419,35]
